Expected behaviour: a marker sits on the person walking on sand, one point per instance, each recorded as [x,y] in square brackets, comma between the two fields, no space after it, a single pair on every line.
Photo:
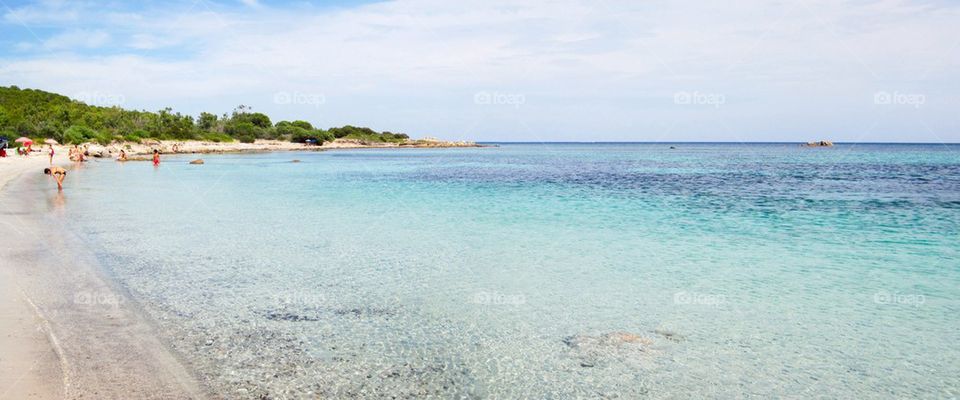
[156,158]
[58,173]
[51,153]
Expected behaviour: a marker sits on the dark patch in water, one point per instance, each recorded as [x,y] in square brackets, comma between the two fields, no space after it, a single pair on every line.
[357,312]
[288,316]
[317,314]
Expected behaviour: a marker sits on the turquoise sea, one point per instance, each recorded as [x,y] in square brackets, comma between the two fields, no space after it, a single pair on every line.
[547,271]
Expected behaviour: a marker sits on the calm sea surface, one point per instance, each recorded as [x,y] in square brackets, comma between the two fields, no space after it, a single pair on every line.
[523,271]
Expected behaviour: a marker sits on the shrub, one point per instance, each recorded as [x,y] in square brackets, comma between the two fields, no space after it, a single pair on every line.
[238,129]
[216,137]
[301,136]
[246,138]
[104,138]
[78,134]
[136,135]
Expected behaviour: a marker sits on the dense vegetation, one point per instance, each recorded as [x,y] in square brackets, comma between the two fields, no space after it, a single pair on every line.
[40,115]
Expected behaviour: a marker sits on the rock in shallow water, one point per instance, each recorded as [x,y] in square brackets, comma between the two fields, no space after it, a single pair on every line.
[599,350]
[606,340]
[197,161]
[669,335]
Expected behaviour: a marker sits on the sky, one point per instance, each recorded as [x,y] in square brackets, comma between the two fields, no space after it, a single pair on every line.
[491,70]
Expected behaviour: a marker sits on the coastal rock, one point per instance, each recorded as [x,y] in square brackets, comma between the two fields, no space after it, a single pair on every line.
[198,161]
[97,151]
[822,143]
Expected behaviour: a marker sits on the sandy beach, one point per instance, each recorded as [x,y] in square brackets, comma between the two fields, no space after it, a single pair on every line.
[144,150]
[29,363]
[68,335]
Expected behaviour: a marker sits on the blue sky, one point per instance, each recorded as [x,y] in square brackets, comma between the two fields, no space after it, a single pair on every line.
[749,70]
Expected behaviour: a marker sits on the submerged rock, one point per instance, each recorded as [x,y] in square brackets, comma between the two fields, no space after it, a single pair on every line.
[607,340]
[669,335]
[592,351]
[365,311]
[290,316]
[312,314]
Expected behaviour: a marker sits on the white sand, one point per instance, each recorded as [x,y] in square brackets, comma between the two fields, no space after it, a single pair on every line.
[12,166]
[29,365]
[52,345]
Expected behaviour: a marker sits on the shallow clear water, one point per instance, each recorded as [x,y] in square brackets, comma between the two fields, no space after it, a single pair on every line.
[762,270]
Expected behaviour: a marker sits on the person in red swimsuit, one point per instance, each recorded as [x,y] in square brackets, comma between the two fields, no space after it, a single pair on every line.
[156,158]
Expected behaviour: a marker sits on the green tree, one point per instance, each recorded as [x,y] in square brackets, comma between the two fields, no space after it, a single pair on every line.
[207,122]
[35,113]
[243,131]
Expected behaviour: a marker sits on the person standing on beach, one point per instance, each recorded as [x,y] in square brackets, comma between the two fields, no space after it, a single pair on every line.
[51,153]
[58,173]
[156,158]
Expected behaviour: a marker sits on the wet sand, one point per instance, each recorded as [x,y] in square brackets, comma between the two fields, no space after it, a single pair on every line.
[66,331]
[29,364]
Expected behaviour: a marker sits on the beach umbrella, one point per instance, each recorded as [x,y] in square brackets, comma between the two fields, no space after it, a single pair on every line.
[24,140]
[50,141]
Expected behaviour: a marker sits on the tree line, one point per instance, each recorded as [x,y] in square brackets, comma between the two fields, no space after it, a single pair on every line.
[40,115]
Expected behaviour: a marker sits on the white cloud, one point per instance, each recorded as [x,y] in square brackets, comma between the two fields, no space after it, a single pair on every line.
[44,12]
[612,67]
[77,39]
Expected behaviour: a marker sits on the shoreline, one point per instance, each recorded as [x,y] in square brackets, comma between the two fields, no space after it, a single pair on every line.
[50,347]
[144,150]
[31,363]
[69,330]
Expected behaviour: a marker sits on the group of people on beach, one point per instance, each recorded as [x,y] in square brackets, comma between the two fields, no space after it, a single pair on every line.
[79,155]
[76,154]
[21,151]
